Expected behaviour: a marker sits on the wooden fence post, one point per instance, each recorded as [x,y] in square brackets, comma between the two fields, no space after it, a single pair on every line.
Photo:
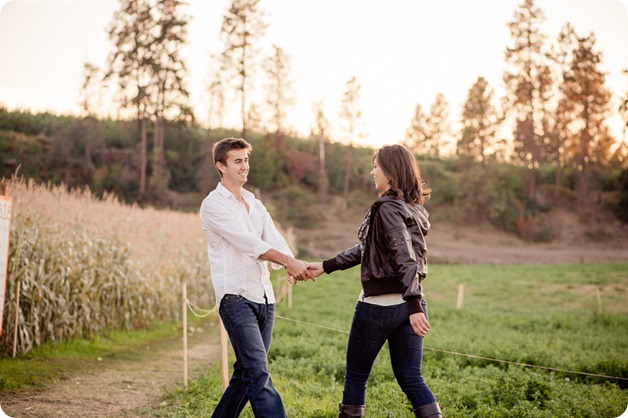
[185,335]
[17,317]
[224,356]
[460,299]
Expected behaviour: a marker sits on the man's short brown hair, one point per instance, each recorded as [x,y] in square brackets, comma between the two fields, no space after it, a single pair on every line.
[222,147]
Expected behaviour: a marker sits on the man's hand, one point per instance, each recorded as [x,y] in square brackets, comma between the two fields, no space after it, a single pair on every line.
[295,269]
[298,270]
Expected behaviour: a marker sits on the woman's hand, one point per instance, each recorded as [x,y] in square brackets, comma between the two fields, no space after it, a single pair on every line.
[316,269]
[419,324]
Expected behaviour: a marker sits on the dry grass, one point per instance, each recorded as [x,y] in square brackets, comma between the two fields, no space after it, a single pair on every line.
[86,264]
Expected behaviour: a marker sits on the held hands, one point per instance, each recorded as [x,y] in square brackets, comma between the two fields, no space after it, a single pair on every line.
[312,271]
[297,270]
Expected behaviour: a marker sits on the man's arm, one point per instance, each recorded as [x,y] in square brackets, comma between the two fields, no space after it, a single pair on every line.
[294,268]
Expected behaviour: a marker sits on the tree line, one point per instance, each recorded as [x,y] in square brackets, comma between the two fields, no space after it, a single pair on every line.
[556,106]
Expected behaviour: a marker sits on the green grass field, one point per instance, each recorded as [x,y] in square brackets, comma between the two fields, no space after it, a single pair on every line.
[546,316]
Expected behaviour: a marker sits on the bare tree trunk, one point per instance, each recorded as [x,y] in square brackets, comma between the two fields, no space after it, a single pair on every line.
[557,183]
[243,89]
[322,177]
[90,134]
[531,181]
[345,193]
[158,178]
[143,157]
[207,168]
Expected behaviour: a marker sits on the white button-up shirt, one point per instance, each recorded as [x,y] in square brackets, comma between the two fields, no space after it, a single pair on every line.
[235,240]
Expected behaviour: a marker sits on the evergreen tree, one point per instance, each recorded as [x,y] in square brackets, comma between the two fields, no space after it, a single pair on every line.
[427,133]
[279,88]
[320,132]
[528,86]
[438,124]
[170,74]
[242,27]
[130,62]
[351,115]
[620,156]
[480,123]
[90,127]
[584,86]
[558,137]
[417,135]
[216,91]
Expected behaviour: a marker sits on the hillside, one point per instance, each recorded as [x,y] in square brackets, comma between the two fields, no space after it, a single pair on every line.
[605,240]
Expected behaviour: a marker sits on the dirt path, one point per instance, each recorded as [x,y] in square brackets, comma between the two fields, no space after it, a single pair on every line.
[120,387]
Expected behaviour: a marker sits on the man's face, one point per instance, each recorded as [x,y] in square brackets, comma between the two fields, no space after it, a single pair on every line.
[236,170]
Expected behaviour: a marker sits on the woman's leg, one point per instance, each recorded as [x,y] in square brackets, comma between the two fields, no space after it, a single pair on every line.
[406,355]
[371,327]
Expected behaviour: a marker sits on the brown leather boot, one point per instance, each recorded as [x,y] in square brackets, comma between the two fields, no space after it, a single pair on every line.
[351,411]
[431,410]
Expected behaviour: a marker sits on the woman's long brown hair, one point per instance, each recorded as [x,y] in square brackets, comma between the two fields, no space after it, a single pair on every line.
[399,165]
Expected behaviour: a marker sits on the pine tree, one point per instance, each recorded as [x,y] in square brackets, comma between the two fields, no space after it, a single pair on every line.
[279,88]
[528,85]
[320,133]
[90,127]
[438,124]
[584,86]
[216,91]
[558,137]
[242,27]
[352,118]
[170,74]
[417,134]
[480,122]
[130,62]
[620,156]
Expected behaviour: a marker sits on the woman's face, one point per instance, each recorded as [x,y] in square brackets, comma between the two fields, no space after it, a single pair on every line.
[382,183]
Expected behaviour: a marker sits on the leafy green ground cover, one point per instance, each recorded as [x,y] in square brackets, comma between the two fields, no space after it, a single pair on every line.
[545,316]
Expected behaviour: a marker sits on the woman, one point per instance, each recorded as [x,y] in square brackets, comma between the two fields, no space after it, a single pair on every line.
[392,254]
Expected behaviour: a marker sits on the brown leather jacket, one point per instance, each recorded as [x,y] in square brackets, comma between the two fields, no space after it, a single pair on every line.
[392,251]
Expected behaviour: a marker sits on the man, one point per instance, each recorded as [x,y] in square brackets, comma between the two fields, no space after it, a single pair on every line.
[241,239]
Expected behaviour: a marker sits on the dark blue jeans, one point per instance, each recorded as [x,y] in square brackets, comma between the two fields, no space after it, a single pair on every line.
[372,326]
[250,327]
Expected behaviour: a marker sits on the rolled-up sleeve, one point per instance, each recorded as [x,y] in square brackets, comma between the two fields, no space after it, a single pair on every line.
[273,237]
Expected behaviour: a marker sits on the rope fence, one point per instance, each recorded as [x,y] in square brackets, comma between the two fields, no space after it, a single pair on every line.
[225,367]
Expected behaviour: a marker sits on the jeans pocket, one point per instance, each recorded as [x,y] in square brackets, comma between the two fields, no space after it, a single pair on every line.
[229,299]
[383,315]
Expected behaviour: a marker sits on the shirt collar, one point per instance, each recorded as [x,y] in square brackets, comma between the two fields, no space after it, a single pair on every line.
[224,192]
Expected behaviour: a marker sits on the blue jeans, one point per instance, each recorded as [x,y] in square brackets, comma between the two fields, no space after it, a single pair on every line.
[372,326]
[250,327]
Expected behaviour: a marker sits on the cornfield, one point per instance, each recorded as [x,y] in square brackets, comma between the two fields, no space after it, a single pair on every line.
[84,265]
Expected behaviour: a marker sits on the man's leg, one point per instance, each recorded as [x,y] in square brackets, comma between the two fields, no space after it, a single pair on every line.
[249,326]
[234,398]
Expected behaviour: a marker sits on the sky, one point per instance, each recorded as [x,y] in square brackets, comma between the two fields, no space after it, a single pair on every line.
[402,52]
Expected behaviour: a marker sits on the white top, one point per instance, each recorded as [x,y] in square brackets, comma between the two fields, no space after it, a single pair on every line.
[235,240]
[389,299]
